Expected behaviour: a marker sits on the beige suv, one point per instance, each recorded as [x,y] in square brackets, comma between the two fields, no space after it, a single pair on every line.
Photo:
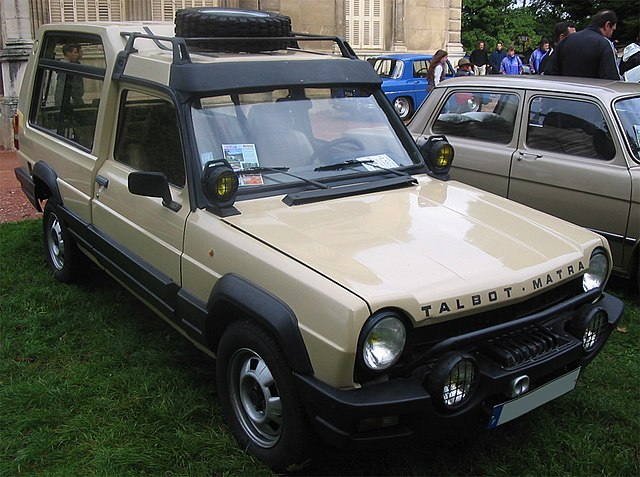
[264,199]
[567,146]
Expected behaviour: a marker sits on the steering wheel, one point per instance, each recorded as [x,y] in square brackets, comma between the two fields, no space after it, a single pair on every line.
[355,145]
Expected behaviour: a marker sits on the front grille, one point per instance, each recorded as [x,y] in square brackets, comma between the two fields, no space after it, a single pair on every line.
[517,347]
[426,336]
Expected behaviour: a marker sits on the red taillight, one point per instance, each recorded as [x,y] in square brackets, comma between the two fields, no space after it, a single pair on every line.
[16,130]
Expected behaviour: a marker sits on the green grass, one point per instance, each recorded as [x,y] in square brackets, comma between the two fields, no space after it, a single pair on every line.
[92,383]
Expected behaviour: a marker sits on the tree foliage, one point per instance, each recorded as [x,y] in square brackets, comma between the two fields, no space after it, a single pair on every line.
[507,20]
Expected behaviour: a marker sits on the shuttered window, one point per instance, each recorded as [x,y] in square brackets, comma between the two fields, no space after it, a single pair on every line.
[85,10]
[364,23]
[116,10]
[165,10]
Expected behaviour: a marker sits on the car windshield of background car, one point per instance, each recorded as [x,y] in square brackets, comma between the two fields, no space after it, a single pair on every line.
[629,112]
[298,130]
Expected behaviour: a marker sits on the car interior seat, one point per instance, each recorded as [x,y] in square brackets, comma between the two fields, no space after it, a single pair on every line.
[278,141]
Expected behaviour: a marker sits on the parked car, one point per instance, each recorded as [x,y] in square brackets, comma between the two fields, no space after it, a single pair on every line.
[404,79]
[566,146]
[343,283]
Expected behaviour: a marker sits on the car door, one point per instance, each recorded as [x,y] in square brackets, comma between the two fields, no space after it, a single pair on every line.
[570,165]
[480,124]
[142,239]
[419,69]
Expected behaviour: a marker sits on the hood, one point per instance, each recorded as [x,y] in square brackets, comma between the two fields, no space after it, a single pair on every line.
[434,249]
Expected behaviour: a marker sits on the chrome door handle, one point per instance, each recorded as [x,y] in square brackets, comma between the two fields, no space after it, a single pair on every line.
[528,156]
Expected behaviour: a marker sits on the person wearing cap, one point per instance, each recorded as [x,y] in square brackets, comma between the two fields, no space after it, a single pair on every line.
[465,67]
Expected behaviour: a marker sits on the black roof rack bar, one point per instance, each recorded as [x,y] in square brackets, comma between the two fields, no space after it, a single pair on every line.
[181,52]
[345,49]
[178,46]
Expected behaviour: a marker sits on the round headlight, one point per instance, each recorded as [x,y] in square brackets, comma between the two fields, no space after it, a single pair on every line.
[383,343]
[453,381]
[596,274]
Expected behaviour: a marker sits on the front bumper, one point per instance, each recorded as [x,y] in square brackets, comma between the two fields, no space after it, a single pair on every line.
[401,408]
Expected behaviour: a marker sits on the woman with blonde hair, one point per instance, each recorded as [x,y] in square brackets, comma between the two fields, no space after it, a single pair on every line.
[436,71]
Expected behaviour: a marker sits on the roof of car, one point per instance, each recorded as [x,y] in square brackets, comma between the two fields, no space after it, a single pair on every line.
[403,56]
[567,84]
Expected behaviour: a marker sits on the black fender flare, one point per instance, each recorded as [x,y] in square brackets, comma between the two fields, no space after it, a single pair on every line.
[233,293]
[46,176]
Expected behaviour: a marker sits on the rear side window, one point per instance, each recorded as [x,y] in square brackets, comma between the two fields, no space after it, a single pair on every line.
[572,127]
[69,81]
[485,116]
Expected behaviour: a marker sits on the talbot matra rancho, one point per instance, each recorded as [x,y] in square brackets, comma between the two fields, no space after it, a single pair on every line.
[345,286]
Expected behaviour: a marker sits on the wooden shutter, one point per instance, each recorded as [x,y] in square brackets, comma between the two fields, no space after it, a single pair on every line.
[364,23]
[85,10]
[165,10]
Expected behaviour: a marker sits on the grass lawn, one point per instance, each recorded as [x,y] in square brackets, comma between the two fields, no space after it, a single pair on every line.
[92,383]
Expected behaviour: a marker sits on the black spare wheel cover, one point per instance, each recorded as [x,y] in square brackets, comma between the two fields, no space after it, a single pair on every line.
[228,22]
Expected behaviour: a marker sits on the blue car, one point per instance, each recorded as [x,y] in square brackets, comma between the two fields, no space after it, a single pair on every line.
[404,79]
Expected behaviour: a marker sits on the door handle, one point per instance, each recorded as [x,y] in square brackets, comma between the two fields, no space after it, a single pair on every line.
[528,156]
[102,181]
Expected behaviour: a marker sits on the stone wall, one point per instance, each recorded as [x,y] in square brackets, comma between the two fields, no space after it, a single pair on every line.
[15,46]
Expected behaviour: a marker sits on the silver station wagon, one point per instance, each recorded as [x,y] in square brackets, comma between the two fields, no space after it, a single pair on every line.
[566,146]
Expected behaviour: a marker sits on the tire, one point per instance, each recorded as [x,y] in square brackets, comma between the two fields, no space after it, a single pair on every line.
[258,398]
[225,23]
[403,106]
[63,254]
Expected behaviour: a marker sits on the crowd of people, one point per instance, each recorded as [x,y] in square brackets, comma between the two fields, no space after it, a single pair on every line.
[586,53]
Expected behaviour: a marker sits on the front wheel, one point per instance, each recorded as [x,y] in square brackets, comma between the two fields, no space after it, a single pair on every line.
[404,107]
[258,397]
[62,252]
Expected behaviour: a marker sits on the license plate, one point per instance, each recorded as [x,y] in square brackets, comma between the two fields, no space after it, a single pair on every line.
[509,410]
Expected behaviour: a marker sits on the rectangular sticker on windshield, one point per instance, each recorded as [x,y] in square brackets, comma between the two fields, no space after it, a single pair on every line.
[379,161]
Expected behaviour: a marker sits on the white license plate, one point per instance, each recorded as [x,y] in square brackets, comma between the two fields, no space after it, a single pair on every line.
[509,410]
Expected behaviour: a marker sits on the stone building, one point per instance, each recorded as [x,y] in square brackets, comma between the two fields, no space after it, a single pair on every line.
[370,26]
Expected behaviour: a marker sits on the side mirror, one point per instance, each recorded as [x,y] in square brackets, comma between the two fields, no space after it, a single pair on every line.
[152,184]
[438,155]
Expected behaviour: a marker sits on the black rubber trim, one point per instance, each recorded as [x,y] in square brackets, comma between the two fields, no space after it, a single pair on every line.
[28,186]
[233,293]
[48,176]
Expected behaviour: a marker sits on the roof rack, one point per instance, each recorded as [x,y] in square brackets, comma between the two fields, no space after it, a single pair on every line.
[179,45]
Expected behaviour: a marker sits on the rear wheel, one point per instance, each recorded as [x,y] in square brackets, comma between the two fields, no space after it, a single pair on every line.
[404,107]
[258,397]
[62,252]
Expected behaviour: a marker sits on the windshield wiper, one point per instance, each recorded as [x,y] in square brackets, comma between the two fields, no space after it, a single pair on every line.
[282,170]
[358,162]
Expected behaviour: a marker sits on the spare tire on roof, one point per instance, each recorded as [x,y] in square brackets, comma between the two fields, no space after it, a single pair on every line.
[228,22]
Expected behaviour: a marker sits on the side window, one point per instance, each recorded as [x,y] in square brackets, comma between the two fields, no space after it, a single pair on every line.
[480,115]
[69,83]
[565,126]
[149,137]
[420,69]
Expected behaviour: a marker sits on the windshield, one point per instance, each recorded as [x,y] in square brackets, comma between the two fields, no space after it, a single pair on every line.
[299,132]
[629,112]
